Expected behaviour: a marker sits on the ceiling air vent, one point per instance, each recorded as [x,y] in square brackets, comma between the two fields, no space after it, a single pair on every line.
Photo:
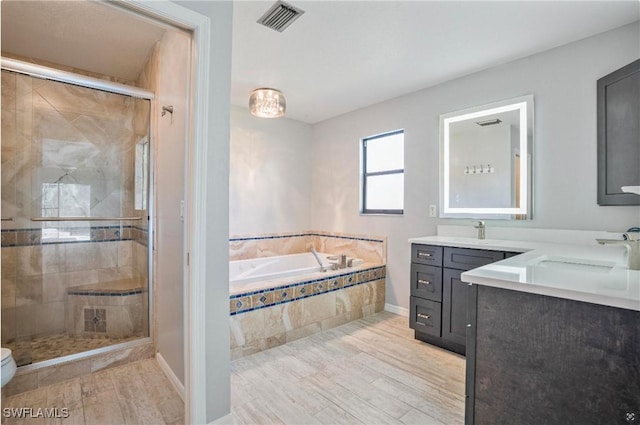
[280,16]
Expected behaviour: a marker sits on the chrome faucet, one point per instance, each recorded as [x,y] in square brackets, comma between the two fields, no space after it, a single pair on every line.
[633,249]
[481,229]
[315,254]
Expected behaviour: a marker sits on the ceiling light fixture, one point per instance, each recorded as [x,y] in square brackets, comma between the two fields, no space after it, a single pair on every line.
[267,103]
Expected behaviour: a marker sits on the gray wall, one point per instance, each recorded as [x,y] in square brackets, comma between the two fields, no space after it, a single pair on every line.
[217,217]
[563,81]
[172,89]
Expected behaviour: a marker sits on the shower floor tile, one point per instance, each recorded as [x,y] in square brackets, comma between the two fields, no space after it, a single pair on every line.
[49,347]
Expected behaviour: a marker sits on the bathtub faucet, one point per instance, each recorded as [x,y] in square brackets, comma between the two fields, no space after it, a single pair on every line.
[341,263]
[315,254]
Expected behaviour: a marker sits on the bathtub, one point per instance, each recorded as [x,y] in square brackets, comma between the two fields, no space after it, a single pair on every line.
[267,268]
[274,300]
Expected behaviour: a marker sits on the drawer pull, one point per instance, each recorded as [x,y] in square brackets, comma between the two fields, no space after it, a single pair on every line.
[424,255]
[424,282]
[424,316]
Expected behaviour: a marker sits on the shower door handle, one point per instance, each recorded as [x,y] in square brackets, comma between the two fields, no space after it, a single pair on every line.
[84,218]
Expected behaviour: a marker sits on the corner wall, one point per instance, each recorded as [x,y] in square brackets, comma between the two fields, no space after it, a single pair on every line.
[218,392]
[563,82]
[167,74]
[270,179]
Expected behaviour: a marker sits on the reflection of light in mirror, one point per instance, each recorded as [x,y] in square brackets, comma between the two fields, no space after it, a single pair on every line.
[521,107]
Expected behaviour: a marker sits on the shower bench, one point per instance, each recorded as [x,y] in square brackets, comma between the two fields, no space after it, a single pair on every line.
[113,309]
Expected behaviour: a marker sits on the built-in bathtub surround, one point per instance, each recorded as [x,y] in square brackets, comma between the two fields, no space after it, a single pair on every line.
[269,313]
[371,249]
[273,316]
[290,289]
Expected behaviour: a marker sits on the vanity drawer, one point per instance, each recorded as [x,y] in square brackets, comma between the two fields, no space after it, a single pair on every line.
[467,259]
[425,316]
[426,282]
[426,254]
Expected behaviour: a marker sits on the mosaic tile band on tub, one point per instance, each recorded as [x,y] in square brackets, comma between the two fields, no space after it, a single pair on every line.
[242,303]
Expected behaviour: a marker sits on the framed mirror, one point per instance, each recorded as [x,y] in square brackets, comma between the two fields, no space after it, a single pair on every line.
[486,161]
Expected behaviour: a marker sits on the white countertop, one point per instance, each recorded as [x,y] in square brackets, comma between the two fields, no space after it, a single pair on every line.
[591,273]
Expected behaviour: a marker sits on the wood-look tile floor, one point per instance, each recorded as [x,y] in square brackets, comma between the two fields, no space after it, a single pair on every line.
[371,371]
[136,393]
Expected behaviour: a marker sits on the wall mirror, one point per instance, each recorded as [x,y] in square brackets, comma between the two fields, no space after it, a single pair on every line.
[485,161]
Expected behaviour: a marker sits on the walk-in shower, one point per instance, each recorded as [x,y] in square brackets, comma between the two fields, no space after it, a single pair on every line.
[75,213]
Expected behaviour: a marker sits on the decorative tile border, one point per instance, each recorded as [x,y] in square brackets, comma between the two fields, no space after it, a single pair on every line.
[300,235]
[255,300]
[33,237]
[260,238]
[370,248]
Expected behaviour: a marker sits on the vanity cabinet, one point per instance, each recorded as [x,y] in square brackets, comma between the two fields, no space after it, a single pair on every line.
[439,299]
[537,359]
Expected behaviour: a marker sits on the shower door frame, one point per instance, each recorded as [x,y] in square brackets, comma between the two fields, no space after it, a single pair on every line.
[52,74]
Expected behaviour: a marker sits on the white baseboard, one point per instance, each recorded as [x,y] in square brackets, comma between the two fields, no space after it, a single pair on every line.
[170,375]
[397,310]
[225,420]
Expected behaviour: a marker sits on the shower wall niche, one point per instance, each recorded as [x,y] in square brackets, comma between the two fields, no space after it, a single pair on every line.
[79,280]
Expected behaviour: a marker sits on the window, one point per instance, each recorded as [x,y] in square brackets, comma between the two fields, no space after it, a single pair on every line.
[383,173]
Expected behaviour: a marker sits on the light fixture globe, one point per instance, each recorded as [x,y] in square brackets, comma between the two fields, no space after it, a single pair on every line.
[267,103]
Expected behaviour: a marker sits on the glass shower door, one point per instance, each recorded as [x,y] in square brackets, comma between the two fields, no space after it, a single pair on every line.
[74,207]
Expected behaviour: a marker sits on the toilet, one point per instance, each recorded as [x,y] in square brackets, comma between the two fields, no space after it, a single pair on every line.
[8,366]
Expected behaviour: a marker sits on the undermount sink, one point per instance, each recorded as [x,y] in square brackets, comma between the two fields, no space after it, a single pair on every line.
[573,264]
[471,240]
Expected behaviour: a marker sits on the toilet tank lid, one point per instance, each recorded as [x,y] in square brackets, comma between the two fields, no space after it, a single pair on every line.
[6,353]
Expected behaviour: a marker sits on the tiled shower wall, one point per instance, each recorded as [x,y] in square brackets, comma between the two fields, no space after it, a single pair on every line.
[372,249]
[66,151]
[35,279]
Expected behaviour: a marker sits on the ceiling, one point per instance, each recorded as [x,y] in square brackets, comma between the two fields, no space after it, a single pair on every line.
[338,57]
[71,32]
[344,55]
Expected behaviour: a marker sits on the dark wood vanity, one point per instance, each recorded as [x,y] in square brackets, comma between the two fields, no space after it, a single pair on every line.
[439,299]
[535,359]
